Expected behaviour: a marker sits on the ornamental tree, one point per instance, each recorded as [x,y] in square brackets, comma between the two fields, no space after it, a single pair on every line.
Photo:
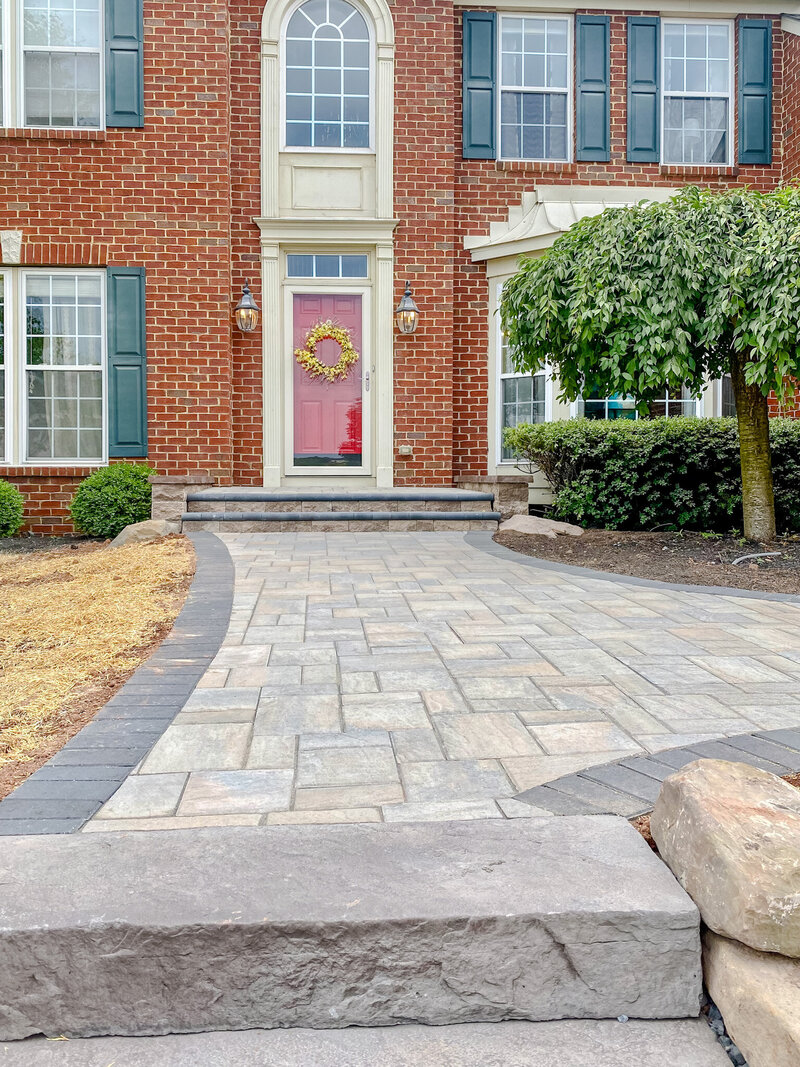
[659,296]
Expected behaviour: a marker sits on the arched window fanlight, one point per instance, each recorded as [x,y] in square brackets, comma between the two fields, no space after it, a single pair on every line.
[328,58]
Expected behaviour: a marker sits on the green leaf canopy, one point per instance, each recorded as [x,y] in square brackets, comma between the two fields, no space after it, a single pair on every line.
[638,299]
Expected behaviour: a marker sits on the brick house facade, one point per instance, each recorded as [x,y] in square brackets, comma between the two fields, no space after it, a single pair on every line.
[191,175]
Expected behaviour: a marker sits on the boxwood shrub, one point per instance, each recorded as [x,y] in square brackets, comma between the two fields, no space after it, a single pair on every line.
[626,474]
[12,506]
[112,498]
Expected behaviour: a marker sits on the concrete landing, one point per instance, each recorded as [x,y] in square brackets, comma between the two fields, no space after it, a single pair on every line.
[331,926]
[686,1043]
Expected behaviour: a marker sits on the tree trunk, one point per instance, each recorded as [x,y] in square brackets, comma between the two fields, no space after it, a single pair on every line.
[752,413]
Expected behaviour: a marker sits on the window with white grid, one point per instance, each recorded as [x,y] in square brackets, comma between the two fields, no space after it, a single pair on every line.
[675,402]
[535,76]
[522,396]
[697,98]
[61,57]
[328,61]
[64,343]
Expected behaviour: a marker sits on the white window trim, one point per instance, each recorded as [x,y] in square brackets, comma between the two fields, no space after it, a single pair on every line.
[500,376]
[12,113]
[305,149]
[569,91]
[17,367]
[730,96]
[5,444]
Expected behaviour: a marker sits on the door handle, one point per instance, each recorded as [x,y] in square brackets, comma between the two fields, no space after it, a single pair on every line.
[366,382]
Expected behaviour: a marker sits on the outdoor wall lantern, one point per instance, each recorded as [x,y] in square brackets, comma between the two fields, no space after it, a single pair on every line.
[247,311]
[407,313]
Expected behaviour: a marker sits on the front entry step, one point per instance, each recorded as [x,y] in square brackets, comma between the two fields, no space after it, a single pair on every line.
[241,510]
[333,926]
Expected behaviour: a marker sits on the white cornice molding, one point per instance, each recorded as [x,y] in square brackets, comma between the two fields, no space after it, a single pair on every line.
[349,232]
[695,8]
[791,24]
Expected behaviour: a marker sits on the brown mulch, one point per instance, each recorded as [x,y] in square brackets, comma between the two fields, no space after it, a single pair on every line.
[685,558]
[75,623]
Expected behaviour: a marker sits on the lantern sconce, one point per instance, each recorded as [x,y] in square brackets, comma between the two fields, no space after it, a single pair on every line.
[247,311]
[407,313]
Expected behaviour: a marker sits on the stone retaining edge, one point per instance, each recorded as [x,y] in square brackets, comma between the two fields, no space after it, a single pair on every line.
[63,794]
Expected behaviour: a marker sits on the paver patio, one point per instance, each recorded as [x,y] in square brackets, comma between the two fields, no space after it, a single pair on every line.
[408,676]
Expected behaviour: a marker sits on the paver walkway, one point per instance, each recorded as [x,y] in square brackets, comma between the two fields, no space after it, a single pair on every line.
[407,676]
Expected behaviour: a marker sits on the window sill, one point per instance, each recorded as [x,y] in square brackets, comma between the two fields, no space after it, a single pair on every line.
[58,469]
[529,166]
[56,133]
[695,170]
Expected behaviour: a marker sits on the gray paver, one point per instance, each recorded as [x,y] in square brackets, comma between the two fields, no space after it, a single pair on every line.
[145,795]
[241,792]
[475,672]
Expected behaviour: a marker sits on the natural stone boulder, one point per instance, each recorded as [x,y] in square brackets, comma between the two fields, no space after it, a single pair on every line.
[145,531]
[533,524]
[758,994]
[731,834]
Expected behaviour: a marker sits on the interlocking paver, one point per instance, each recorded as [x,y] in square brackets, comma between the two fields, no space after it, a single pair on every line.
[400,676]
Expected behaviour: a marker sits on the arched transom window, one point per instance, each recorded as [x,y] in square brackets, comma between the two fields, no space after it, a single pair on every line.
[327,76]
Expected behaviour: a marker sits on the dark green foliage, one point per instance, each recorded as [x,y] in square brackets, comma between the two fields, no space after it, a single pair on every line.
[637,475]
[112,498]
[12,505]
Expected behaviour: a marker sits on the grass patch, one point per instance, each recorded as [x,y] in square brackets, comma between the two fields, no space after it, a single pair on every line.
[74,623]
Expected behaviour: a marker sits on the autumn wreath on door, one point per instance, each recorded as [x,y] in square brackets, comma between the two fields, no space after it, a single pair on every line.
[309,360]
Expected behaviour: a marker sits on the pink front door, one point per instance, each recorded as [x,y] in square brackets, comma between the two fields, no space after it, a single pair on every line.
[327,415]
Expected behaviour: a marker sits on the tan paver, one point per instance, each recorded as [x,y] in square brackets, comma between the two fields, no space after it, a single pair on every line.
[402,676]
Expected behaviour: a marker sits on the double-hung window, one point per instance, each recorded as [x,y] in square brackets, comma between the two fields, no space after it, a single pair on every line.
[535,78]
[675,402]
[53,366]
[697,99]
[71,64]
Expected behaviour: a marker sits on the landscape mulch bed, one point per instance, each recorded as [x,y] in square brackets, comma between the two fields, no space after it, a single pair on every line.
[75,622]
[685,558]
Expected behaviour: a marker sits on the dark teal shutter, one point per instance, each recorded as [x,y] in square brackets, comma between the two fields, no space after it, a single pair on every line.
[479,79]
[592,34]
[127,367]
[755,91]
[643,90]
[124,62]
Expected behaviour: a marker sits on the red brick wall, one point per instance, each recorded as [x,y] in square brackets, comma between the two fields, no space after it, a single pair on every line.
[485,189]
[157,197]
[179,197]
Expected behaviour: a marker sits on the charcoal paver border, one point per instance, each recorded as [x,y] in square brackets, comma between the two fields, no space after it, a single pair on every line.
[774,750]
[63,794]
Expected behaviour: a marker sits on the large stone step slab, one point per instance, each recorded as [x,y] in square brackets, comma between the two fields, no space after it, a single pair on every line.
[313,501]
[329,926]
[679,1043]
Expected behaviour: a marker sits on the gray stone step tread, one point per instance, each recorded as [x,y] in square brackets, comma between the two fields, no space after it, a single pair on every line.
[582,1043]
[245,493]
[341,516]
[298,926]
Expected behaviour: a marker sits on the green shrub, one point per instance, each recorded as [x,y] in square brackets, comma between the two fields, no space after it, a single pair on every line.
[12,505]
[112,498]
[637,475]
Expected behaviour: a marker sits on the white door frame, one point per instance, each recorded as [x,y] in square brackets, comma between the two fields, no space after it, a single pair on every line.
[329,287]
